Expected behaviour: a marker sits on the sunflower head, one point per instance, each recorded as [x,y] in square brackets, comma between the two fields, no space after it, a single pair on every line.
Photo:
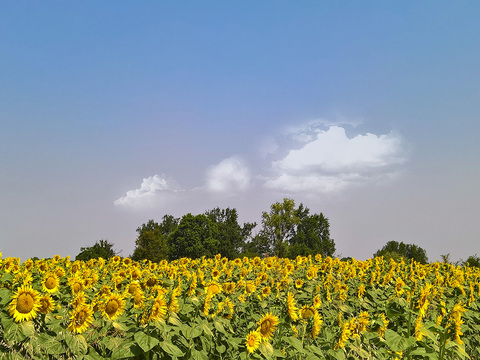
[25,304]
[267,326]
[81,318]
[50,283]
[113,306]
[253,341]
[46,304]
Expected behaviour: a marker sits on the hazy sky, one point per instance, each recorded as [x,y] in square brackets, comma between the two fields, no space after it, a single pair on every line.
[116,112]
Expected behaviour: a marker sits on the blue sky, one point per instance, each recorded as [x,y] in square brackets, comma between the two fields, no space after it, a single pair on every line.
[115,113]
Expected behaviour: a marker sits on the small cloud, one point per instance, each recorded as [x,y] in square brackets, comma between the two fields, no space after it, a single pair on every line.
[230,175]
[147,192]
[329,160]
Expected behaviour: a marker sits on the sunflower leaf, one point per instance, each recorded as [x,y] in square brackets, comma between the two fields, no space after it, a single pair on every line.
[146,342]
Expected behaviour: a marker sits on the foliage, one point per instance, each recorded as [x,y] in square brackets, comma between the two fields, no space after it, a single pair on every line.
[101,249]
[473,260]
[152,241]
[288,231]
[194,237]
[408,251]
[306,308]
[230,235]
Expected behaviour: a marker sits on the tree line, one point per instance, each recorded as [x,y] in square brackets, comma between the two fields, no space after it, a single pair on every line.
[286,230]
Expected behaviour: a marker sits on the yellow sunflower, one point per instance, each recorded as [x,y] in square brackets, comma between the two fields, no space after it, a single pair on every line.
[46,304]
[25,304]
[81,319]
[113,306]
[267,326]
[50,283]
[159,309]
[253,341]
[133,287]
[291,308]
[306,312]
[138,299]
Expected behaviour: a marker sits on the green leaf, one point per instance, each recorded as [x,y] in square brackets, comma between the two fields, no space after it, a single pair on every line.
[206,329]
[146,342]
[338,354]
[221,348]
[123,351]
[76,343]
[266,349]
[398,343]
[27,328]
[278,353]
[13,332]
[296,343]
[119,326]
[171,349]
[218,325]
[198,355]
[5,296]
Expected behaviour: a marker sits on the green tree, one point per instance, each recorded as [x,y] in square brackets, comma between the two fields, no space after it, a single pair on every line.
[278,226]
[152,241]
[195,236]
[101,249]
[312,235]
[472,261]
[290,231]
[408,251]
[230,235]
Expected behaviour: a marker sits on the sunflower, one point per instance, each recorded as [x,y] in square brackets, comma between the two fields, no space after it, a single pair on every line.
[25,304]
[159,309]
[291,308]
[306,312]
[253,341]
[50,283]
[267,326]
[46,304]
[138,299]
[317,323]
[113,306]
[81,319]
[298,283]
[213,288]
[133,287]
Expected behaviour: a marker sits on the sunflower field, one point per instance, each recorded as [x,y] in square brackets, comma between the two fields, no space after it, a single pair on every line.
[250,308]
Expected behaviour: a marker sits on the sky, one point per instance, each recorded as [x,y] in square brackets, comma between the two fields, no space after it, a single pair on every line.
[114,113]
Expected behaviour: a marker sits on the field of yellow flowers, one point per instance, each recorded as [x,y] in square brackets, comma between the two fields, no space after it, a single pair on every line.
[215,308]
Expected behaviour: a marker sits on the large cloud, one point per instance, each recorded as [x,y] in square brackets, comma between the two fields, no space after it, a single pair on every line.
[230,175]
[330,161]
[150,188]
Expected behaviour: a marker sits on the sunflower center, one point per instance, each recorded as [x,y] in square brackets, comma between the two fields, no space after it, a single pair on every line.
[112,307]
[137,298]
[77,287]
[43,305]
[251,341]
[25,303]
[265,327]
[132,289]
[81,317]
[307,314]
[50,283]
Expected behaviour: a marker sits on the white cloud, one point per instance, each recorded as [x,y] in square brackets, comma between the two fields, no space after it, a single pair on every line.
[230,175]
[330,161]
[149,189]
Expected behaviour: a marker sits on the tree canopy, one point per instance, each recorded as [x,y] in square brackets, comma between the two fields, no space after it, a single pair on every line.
[408,251]
[288,231]
[101,249]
